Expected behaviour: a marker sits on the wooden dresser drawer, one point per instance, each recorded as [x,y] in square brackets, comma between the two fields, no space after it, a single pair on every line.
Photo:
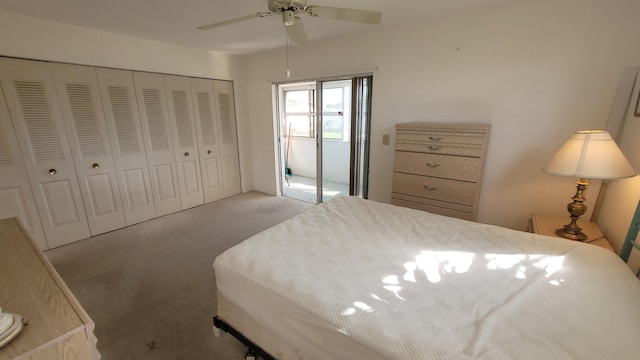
[450,139]
[439,148]
[451,167]
[459,192]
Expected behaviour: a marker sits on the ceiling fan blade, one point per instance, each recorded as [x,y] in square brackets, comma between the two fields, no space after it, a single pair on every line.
[362,16]
[236,20]
[296,33]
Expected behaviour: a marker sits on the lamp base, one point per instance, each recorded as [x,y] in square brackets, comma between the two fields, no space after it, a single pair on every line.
[576,209]
[571,234]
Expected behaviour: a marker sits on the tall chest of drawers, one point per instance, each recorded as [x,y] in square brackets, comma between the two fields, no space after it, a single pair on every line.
[438,167]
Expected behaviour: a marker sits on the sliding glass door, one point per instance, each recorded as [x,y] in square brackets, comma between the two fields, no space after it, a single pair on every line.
[323,141]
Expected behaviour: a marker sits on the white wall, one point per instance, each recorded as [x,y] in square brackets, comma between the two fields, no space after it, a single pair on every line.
[45,40]
[536,71]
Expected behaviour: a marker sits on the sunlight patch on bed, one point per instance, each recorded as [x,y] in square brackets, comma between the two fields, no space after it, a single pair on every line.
[379,298]
[550,264]
[356,305]
[395,289]
[362,306]
[436,263]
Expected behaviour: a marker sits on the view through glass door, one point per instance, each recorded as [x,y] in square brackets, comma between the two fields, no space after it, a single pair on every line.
[323,138]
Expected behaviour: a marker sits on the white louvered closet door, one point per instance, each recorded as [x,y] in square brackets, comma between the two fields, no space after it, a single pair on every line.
[79,97]
[185,142]
[156,131]
[123,121]
[225,109]
[16,198]
[35,113]
[207,135]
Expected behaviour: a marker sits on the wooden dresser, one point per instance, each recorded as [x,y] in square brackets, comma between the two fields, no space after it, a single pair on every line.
[438,167]
[59,327]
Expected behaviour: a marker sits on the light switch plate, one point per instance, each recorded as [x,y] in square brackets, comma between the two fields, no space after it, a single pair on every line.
[385,139]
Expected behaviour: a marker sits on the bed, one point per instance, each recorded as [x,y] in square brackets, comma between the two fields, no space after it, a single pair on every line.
[357,279]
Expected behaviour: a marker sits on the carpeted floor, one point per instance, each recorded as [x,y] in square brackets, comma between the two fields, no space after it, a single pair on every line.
[150,287]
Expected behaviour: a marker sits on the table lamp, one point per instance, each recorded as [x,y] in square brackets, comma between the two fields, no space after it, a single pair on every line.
[588,154]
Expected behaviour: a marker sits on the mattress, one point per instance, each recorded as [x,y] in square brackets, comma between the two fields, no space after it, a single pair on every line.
[357,279]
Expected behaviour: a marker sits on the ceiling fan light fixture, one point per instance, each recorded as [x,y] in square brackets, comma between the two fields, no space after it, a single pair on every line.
[288,18]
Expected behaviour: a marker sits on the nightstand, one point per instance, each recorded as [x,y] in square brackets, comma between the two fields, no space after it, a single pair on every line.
[547,225]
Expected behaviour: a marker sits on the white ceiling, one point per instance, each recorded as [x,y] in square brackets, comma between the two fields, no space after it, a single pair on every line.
[175,21]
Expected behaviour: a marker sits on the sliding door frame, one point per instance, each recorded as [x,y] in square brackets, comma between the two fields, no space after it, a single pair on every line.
[355,134]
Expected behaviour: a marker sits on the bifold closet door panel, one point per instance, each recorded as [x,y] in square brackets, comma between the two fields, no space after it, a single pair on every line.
[83,115]
[156,130]
[30,93]
[226,114]
[184,139]
[123,122]
[207,136]
[16,198]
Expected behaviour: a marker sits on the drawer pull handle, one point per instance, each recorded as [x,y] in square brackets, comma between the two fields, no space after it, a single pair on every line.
[186,154]
[95,165]
[52,171]
[208,151]
[435,138]
[432,165]
[430,188]
[434,148]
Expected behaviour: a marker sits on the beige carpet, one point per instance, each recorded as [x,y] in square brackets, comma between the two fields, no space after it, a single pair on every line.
[150,287]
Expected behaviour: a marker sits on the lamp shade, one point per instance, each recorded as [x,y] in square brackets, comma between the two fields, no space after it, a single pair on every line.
[590,154]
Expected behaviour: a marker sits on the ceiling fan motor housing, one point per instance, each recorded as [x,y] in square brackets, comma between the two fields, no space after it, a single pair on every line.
[288,18]
[281,6]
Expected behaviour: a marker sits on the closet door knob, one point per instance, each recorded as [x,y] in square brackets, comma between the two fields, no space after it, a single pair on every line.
[95,165]
[186,154]
[208,151]
[432,165]
[52,171]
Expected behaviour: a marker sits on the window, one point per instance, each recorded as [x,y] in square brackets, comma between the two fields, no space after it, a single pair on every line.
[333,113]
[299,114]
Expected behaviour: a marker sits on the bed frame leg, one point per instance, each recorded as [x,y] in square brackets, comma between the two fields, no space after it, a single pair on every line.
[217,332]
[253,350]
[250,355]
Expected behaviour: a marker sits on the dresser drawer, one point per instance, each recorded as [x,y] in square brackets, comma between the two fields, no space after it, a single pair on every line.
[454,191]
[467,140]
[440,148]
[444,166]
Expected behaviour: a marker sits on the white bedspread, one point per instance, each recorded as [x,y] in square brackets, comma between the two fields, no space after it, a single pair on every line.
[356,279]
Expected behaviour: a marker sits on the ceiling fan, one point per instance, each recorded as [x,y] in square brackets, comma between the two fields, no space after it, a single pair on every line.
[289,9]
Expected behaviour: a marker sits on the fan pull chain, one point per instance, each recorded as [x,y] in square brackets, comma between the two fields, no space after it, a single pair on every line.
[286,42]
